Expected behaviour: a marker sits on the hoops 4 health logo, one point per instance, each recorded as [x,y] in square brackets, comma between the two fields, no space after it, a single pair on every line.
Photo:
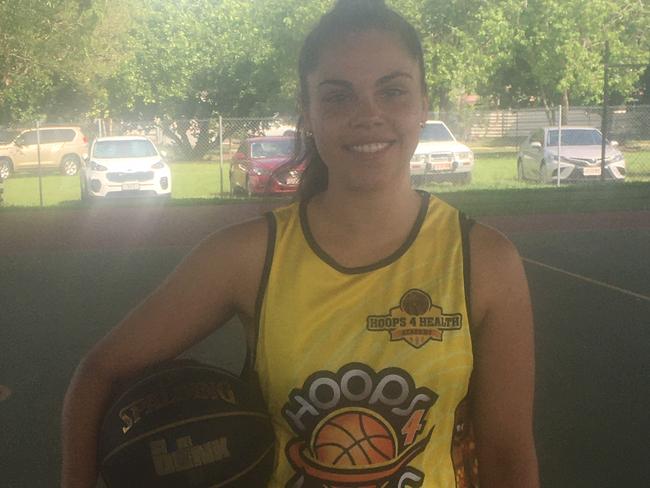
[415,320]
[358,428]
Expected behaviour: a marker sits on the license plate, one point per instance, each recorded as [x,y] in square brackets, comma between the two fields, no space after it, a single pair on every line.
[441,166]
[292,180]
[131,186]
[593,171]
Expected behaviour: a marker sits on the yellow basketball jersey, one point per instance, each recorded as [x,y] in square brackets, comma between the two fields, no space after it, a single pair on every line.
[365,370]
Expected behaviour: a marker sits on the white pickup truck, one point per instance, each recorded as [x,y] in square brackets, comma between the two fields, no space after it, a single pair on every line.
[440,157]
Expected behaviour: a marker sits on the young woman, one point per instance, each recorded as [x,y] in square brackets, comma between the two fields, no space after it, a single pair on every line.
[391,337]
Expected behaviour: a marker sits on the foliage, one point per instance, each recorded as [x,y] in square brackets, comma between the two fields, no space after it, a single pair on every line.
[194,59]
[561,46]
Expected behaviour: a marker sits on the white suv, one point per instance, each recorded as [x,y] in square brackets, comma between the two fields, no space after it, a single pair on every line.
[125,166]
[440,157]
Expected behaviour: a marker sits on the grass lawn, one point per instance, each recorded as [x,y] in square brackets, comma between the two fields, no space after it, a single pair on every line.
[199,180]
[189,180]
[23,190]
[494,188]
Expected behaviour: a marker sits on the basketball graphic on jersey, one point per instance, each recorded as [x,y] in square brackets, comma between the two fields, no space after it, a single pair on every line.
[415,302]
[357,428]
[354,438]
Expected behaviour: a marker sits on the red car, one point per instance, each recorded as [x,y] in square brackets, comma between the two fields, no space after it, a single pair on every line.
[259,167]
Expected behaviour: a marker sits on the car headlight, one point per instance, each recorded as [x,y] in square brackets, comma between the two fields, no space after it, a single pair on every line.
[561,158]
[464,156]
[616,159]
[419,158]
[260,171]
[158,165]
[97,167]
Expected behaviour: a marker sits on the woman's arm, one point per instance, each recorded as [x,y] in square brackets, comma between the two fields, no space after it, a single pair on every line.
[219,278]
[504,373]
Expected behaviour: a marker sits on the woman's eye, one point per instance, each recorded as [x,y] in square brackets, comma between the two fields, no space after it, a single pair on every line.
[336,97]
[393,92]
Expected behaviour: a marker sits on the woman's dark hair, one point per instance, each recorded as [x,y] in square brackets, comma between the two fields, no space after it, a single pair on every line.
[347,17]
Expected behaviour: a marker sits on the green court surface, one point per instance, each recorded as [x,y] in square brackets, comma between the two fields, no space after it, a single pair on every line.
[591,299]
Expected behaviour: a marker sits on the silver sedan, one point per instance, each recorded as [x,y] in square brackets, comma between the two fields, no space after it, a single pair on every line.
[578,157]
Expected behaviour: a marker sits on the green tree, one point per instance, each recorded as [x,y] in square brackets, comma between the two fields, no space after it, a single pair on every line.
[465,43]
[195,59]
[54,55]
[562,48]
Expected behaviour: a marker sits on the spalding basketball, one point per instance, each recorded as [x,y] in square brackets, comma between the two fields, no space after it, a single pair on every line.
[187,424]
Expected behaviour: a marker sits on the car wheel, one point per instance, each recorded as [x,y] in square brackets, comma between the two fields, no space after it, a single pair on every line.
[70,165]
[235,189]
[249,189]
[5,169]
[520,171]
[542,173]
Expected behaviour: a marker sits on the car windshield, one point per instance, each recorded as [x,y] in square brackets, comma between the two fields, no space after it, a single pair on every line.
[135,148]
[576,137]
[272,149]
[435,132]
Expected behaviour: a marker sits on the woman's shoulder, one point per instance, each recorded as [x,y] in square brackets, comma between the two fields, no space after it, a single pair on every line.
[238,239]
[489,243]
[496,269]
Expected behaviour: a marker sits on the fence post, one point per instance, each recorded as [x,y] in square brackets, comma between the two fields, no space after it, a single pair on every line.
[221,153]
[38,154]
[559,143]
[603,128]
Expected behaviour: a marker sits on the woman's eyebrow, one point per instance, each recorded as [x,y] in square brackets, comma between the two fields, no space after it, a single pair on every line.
[392,76]
[381,81]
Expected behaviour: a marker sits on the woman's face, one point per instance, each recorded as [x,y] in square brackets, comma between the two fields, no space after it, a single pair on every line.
[366,104]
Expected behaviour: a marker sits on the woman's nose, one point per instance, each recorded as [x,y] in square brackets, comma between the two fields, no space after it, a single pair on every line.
[368,112]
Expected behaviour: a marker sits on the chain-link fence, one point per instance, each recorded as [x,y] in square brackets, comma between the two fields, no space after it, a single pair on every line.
[47,166]
[626,141]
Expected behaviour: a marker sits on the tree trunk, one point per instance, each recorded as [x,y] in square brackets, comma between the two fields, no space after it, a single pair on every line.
[550,113]
[445,101]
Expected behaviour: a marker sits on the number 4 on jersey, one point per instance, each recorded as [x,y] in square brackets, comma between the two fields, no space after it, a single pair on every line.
[413,427]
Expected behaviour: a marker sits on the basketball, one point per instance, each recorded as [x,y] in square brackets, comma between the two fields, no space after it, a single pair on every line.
[354,438]
[186,424]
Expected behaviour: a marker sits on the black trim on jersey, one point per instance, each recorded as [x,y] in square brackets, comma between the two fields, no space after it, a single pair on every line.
[466,225]
[249,363]
[304,224]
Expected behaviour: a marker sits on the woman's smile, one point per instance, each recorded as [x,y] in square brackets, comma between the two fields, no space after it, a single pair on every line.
[370,148]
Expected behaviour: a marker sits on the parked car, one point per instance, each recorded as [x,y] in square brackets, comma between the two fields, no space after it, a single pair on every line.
[440,157]
[61,148]
[125,166]
[260,166]
[578,156]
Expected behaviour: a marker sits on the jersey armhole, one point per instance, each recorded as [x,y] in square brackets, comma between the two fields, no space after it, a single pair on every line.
[249,363]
